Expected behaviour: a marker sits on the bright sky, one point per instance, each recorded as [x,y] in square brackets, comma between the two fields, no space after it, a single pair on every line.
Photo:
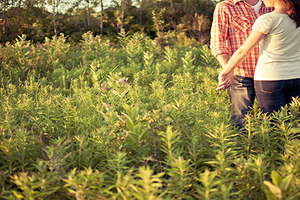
[63,8]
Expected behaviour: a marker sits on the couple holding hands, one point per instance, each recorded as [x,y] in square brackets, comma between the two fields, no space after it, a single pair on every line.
[257,43]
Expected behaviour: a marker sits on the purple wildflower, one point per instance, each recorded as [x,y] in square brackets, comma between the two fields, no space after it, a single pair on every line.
[123,81]
[105,89]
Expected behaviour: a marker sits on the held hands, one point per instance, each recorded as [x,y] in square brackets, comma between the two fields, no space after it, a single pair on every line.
[225,80]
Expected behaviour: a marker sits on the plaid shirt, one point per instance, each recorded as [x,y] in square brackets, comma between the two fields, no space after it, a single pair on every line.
[232,24]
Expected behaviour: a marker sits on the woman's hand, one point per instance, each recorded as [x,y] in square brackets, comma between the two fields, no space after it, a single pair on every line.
[225,80]
[226,75]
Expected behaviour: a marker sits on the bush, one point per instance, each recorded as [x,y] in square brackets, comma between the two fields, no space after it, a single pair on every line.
[134,122]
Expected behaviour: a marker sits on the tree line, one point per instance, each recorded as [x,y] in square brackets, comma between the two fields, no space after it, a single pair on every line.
[38,19]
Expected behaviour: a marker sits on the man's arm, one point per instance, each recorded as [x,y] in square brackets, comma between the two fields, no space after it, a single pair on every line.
[219,34]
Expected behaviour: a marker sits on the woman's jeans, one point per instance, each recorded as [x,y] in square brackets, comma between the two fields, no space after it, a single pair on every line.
[272,95]
[242,96]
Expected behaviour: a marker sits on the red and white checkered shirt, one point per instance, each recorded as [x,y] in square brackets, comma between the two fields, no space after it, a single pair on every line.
[232,24]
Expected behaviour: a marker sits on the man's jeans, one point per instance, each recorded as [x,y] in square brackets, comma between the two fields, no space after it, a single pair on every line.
[272,95]
[242,96]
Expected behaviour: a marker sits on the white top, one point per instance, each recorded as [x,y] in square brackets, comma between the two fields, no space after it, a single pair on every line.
[257,6]
[279,56]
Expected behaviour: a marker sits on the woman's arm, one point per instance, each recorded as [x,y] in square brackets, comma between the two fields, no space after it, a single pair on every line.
[223,60]
[239,56]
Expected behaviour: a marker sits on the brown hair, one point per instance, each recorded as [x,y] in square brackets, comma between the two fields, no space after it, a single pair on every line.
[292,8]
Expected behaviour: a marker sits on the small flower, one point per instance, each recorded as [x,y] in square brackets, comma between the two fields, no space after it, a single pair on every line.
[103,85]
[69,194]
[123,81]
[107,106]
[105,89]
[96,67]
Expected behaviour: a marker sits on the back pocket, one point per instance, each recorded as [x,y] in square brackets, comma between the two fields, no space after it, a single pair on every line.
[271,86]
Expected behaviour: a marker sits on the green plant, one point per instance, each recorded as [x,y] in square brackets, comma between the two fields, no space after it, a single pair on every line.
[135,120]
[282,188]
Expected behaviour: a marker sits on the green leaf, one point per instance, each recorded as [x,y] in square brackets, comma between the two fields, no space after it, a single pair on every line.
[129,119]
[127,109]
[293,196]
[19,196]
[134,112]
[129,125]
[137,128]
[143,134]
[143,151]
[275,190]
[295,130]
[269,194]
[286,184]
[276,178]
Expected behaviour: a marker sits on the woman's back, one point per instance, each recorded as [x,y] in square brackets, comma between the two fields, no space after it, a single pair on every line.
[279,56]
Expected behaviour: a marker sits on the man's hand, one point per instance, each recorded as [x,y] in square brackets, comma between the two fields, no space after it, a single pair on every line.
[225,81]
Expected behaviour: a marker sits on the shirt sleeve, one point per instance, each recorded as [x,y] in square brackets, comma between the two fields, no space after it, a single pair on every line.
[263,24]
[219,31]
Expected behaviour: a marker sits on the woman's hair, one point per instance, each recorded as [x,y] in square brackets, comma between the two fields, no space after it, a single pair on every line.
[292,8]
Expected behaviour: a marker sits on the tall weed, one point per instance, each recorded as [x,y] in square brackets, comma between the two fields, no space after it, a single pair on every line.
[141,120]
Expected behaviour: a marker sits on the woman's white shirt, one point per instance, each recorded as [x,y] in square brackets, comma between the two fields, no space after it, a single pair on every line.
[279,56]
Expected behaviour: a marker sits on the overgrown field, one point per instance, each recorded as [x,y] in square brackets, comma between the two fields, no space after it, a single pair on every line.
[137,121]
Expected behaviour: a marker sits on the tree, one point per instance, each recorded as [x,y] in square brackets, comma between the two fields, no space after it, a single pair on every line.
[5,4]
[123,15]
[101,21]
[54,4]
[140,2]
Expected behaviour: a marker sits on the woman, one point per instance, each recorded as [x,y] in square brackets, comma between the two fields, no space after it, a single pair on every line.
[277,74]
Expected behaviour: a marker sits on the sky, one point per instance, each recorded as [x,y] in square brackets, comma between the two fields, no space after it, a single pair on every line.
[106,3]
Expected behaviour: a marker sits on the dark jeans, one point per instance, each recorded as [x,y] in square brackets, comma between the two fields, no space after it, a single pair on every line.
[272,95]
[242,96]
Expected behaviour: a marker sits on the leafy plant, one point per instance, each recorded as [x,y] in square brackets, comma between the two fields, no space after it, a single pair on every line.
[282,188]
[137,120]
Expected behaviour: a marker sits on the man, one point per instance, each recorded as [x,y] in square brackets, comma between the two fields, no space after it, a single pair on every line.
[232,23]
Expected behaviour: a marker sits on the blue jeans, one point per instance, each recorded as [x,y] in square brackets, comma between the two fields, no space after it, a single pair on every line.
[242,95]
[272,95]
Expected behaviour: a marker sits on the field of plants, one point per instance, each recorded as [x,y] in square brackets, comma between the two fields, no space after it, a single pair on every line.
[140,120]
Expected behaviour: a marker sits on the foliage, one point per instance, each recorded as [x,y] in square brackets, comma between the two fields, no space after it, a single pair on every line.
[39,19]
[137,121]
